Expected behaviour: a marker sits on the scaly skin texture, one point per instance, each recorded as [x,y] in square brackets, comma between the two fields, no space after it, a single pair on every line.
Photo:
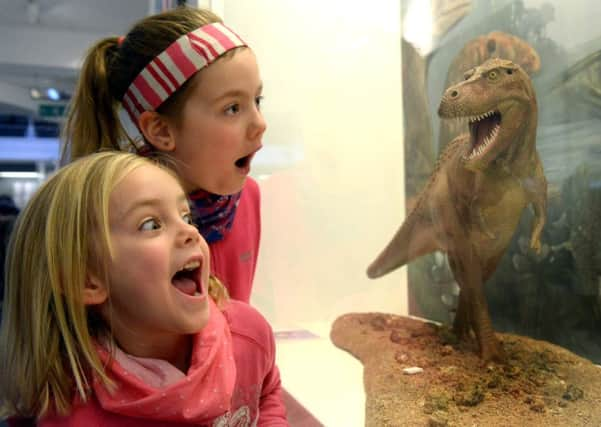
[474,199]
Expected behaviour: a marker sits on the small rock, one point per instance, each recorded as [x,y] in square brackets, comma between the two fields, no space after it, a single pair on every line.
[437,421]
[413,370]
[398,337]
[471,397]
[446,350]
[512,371]
[378,323]
[447,337]
[494,382]
[436,404]
[537,407]
[573,393]
[400,357]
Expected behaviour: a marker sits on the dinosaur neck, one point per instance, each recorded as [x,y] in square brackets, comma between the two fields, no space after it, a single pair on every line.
[522,152]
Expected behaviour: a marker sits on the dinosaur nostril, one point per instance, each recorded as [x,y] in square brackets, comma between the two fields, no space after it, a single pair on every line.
[454,94]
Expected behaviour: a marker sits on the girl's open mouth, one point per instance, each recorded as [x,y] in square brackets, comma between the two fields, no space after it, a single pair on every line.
[188,279]
[244,162]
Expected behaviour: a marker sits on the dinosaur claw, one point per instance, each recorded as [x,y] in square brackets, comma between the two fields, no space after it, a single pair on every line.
[536,246]
[495,353]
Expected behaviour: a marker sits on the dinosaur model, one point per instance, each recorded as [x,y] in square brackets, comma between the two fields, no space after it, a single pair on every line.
[473,201]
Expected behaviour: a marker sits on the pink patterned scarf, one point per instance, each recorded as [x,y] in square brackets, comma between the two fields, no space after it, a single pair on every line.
[154,389]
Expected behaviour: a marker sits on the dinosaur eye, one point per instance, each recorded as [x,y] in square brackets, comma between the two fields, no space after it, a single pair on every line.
[493,75]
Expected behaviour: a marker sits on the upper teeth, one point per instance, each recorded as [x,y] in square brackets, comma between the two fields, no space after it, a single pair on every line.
[479,117]
[482,147]
[191,265]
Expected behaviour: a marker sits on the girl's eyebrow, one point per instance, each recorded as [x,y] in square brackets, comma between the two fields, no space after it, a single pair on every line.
[236,93]
[152,201]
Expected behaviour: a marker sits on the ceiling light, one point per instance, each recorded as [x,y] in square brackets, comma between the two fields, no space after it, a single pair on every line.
[35,93]
[53,94]
[19,174]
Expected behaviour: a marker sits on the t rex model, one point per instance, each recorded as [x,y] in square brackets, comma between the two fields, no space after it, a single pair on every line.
[471,205]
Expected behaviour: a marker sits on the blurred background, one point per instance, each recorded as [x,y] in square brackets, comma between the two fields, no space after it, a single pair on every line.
[42,45]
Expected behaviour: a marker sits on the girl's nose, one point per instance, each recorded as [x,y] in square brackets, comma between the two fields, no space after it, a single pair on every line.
[258,124]
[188,234]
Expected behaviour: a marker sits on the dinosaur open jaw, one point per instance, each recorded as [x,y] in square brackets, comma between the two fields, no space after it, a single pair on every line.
[484,129]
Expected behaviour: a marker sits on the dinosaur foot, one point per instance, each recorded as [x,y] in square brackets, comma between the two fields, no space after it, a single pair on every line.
[492,351]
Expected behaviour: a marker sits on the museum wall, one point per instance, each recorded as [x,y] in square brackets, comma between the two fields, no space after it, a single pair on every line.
[332,194]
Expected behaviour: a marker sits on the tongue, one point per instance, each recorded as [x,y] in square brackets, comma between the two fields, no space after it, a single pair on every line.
[185,285]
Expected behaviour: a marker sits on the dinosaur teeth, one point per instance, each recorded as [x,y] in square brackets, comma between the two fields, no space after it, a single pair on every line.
[477,151]
[478,117]
[495,131]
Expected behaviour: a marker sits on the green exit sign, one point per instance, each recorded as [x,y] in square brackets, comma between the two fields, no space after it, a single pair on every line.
[51,110]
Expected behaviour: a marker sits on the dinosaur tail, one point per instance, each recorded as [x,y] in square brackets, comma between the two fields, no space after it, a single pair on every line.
[415,238]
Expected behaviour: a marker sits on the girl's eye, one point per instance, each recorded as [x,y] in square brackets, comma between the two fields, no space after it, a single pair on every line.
[232,109]
[259,101]
[149,225]
[188,218]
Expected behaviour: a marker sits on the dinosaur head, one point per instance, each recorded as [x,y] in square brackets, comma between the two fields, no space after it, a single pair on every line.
[499,103]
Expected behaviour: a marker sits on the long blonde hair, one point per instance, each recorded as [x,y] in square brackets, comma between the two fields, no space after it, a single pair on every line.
[109,68]
[47,349]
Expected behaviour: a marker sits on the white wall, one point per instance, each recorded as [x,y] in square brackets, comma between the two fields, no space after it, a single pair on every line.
[331,72]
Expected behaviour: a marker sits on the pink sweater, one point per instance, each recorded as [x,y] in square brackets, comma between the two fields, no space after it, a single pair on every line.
[233,259]
[256,399]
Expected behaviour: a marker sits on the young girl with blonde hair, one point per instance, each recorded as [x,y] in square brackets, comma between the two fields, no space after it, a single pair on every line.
[109,316]
[192,88]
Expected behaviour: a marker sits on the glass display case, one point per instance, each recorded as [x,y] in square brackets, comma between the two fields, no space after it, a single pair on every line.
[501,235]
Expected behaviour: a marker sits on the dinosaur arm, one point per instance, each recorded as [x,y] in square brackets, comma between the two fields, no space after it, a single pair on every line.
[537,192]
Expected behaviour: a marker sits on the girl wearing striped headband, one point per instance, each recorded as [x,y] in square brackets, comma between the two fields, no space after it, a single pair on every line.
[192,88]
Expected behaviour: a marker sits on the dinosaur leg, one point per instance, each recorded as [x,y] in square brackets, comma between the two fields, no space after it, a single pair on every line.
[473,309]
[490,347]
[461,324]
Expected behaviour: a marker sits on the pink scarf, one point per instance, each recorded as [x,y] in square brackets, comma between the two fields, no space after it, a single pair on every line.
[155,389]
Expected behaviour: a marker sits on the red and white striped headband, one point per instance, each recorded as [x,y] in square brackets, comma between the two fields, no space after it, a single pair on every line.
[175,65]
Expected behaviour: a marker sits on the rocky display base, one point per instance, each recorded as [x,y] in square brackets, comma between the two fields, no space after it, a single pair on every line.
[417,374]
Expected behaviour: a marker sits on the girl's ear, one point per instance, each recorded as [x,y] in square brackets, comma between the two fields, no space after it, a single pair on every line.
[94,291]
[156,131]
